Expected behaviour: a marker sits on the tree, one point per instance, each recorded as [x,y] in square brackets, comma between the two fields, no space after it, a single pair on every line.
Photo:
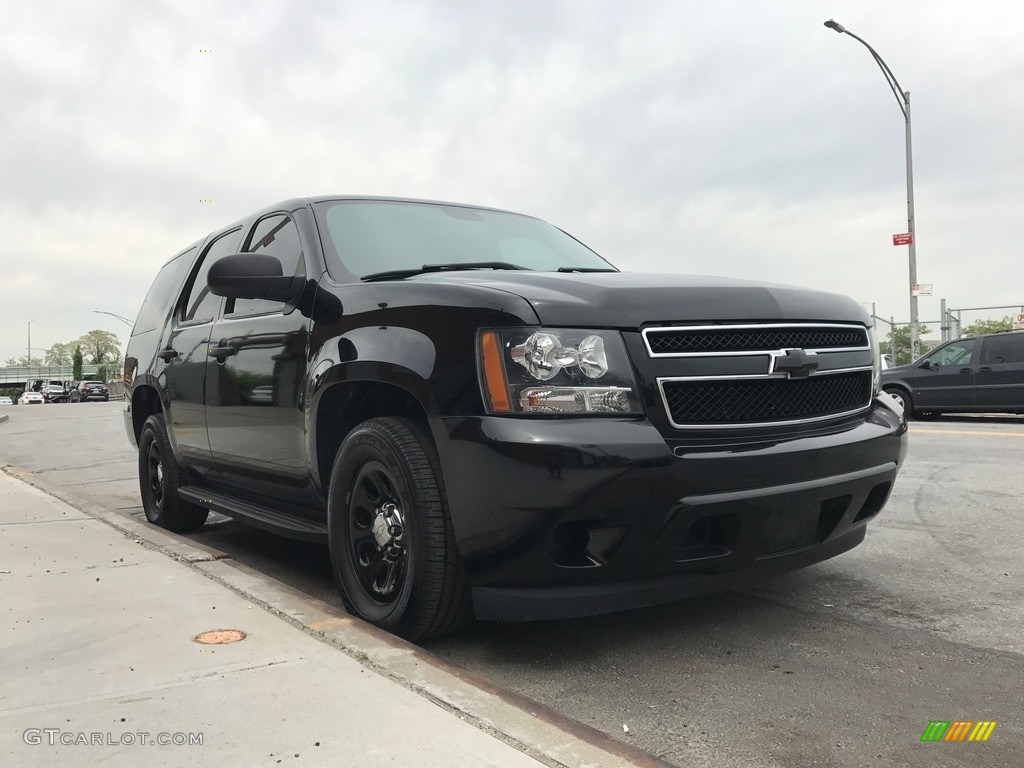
[101,346]
[101,373]
[979,327]
[76,363]
[59,354]
[24,362]
[899,346]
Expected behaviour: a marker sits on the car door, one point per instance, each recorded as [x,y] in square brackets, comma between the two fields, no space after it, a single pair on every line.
[945,377]
[258,365]
[1000,378]
[184,353]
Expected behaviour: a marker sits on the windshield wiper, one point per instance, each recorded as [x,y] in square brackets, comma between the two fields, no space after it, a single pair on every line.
[586,269]
[398,274]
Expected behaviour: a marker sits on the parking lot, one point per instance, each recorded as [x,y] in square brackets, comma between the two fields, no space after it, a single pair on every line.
[841,664]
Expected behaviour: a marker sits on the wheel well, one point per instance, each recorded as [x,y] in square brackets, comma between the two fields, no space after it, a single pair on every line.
[145,402]
[343,407]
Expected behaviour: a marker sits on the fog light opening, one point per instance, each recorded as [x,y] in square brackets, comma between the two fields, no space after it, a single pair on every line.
[584,545]
[874,502]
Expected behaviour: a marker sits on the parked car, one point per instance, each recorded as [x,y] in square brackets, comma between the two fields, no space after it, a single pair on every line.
[479,414]
[6,401]
[90,390]
[31,398]
[981,374]
[55,393]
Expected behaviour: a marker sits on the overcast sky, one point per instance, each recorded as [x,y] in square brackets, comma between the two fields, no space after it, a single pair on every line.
[733,138]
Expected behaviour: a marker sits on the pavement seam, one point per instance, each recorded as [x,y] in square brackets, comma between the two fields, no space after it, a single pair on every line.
[144,534]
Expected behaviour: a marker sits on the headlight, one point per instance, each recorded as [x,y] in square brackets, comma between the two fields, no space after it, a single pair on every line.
[556,371]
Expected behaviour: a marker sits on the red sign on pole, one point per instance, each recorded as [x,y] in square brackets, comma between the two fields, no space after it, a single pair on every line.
[903,238]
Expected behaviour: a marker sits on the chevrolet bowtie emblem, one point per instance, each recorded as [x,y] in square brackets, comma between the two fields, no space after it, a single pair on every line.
[795,363]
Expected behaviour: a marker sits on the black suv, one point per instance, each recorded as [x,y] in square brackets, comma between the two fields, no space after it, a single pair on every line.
[90,390]
[981,374]
[478,414]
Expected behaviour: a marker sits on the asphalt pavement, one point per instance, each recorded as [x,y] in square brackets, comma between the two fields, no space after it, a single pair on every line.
[842,664]
[123,644]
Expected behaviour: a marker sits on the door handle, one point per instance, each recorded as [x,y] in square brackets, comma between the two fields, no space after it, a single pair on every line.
[167,354]
[985,369]
[222,352]
[966,370]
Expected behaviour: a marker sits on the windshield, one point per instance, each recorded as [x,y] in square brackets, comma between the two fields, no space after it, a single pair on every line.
[369,237]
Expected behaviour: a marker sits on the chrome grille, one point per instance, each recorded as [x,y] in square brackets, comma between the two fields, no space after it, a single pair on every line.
[683,341]
[756,401]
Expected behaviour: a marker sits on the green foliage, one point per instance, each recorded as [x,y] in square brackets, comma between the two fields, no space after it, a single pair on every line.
[23,361]
[59,354]
[100,346]
[101,373]
[979,327]
[898,345]
[12,392]
[76,363]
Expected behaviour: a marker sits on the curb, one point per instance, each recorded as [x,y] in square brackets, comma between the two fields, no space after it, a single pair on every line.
[531,727]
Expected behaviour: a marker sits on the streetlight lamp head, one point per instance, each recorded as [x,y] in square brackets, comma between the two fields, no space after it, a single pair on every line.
[832,24]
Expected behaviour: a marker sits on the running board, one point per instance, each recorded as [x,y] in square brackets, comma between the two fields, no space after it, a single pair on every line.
[255,515]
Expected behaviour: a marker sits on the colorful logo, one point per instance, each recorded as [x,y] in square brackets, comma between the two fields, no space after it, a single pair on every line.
[958,730]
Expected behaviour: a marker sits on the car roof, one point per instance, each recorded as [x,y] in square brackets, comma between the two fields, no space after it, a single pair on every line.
[993,333]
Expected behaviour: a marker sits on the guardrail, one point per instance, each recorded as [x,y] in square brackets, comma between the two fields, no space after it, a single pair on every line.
[14,375]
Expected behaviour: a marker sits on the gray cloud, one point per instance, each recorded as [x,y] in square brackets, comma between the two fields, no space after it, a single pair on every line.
[719,138]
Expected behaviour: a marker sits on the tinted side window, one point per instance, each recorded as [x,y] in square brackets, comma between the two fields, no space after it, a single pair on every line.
[996,350]
[955,353]
[201,305]
[276,236]
[157,304]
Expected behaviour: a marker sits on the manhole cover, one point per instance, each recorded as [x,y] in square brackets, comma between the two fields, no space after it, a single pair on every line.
[219,637]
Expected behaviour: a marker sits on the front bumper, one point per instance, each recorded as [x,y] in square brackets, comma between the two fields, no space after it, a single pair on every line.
[574,517]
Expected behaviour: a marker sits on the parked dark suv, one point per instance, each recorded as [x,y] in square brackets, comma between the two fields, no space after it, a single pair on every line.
[90,390]
[982,374]
[479,414]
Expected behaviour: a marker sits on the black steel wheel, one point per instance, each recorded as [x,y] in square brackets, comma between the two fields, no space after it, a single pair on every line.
[392,548]
[159,480]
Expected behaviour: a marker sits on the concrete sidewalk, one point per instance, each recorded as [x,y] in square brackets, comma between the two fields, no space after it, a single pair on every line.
[96,645]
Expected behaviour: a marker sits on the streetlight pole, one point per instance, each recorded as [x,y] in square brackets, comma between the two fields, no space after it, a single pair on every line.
[28,350]
[903,99]
[124,320]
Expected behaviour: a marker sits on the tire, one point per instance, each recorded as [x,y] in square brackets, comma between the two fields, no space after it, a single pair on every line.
[405,576]
[902,397]
[160,479]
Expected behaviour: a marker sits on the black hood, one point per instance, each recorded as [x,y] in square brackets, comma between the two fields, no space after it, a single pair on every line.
[631,299]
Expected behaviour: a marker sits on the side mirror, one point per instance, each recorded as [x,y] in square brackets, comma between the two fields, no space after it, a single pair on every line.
[928,365]
[253,276]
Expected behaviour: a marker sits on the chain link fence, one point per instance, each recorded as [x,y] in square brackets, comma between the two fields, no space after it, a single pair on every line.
[969,321]
[894,336]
